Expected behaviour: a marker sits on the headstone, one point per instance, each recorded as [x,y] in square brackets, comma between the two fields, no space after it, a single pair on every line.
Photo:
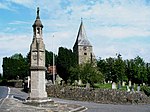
[58,79]
[75,82]
[128,89]
[80,82]
[87,85]
[132,88]
[138,88]
[114,85]
[143,84]
[129,83]
[119,85]
[134,85]
[123,83]
[104,82]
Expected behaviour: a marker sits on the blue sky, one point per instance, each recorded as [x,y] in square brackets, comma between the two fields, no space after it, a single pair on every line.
[112,26]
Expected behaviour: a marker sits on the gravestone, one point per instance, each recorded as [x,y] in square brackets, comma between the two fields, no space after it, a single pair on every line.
[132,88]
[58,80]
[114,85]
[128,89]
[123,83]
[130,84]
[80,82]
[119,85]
[138,88]
[87,85]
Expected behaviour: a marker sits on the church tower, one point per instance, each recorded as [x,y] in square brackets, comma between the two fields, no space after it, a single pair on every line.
[82,47]
[37,67]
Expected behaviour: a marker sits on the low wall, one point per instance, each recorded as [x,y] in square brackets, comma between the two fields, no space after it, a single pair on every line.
[12,83]
[97,95]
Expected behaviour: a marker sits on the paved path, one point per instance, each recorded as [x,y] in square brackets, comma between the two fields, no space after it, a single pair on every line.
[10,103]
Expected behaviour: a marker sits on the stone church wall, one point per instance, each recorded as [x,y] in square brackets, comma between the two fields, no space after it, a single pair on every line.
[106,96]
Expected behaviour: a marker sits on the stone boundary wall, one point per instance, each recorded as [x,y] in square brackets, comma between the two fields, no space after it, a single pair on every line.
[12,83]
[107,96]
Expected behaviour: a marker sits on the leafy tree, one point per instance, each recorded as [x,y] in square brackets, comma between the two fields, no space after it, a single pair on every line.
[101,64]
[140,72]
[74,73]
[88,73]
[49,58]
[15,66]
[110,72]
[119,69]
[66,59]
[129,71]
[148,73]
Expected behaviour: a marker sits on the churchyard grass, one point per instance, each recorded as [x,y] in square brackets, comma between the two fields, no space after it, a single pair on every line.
[103,86]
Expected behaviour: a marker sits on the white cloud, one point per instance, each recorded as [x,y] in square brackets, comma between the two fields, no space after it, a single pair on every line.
[26,3]
[11,44]
[15,43]
[3,6]
[18,22]
[120,32]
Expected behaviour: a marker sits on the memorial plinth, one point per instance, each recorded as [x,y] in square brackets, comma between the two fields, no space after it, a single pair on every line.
[37,65]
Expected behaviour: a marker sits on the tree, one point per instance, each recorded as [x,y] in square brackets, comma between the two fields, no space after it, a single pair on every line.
[88,73]
[110,71]
[74,73]
[140,70]
[15,66]
[49,58]
[101,64]
[119,68]
[129,69]
[148,72]
[66,59]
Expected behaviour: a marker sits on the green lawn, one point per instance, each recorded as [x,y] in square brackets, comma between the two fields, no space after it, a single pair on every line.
[108,86]
[103,86]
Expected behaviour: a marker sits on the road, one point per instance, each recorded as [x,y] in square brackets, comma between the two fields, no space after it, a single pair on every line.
[3,91]
[96,107]
[92,107]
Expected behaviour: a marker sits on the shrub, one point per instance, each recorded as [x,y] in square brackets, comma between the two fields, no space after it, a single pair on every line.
[4,82]
[146,90]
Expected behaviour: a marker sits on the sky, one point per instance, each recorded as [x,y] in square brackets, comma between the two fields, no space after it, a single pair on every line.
[112,26]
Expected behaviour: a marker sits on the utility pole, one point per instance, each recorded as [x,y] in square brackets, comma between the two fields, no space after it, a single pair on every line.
[53,61]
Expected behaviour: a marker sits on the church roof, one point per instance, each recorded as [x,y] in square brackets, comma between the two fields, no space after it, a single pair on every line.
[81,37]
[38,21]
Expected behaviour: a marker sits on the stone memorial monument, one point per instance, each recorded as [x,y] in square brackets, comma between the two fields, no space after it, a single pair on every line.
[37,67]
